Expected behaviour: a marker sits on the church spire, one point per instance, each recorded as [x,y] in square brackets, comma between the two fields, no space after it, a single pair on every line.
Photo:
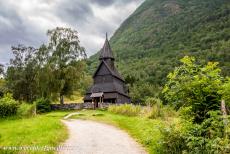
[106,52]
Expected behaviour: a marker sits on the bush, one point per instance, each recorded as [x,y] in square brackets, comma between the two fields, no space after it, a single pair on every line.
[211,136]
[169,111]
[173,140]
[126,109]
[8,106]
[43,105]
[195,85]
[26,110]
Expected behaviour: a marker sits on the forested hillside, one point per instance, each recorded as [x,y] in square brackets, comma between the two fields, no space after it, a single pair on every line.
[151,41]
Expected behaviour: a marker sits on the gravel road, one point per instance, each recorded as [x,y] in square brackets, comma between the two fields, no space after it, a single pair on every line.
[89,137]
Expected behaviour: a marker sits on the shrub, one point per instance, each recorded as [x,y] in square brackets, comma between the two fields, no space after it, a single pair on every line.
[210,136]
[225,91]
[8,106]
[26,110]
[173,140]
[43,105]
[126,109]
[194,85]
[169,111]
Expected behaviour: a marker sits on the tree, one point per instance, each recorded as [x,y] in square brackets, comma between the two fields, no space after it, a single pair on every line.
[225,91]
[21,73]
[52,70]
[1,69]
[66,60]
[194,85]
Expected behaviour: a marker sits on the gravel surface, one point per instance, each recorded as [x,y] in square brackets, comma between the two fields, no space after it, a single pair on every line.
[89,137]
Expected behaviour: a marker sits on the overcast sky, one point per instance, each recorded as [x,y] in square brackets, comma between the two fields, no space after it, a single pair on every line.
[26,21]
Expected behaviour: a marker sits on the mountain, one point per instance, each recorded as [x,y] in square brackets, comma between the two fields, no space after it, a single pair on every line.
[148,44]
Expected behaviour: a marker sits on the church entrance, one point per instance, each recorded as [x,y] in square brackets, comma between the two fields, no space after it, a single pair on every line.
[96,103]
[97,99]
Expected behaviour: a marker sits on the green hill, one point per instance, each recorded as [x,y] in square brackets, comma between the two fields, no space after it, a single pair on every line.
[151,41]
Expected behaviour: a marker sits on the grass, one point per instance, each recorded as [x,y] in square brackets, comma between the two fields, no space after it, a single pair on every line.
[126,109]
[42,130]
[145,131]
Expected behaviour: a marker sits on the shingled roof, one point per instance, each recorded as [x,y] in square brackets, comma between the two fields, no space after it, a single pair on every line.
[107,87]
[114,72]
[106,51]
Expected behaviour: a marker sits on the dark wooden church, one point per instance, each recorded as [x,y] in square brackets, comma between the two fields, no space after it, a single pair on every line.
[108,86]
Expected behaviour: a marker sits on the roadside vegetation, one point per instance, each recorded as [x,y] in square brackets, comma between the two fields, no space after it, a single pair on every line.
[23,125]
[38,131]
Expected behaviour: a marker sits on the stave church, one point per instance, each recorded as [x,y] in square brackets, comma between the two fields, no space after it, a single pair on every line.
[108,85]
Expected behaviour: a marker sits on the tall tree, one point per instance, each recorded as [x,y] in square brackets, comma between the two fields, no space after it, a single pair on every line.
[21,74]
[66,60]
[2,81]
[1,69]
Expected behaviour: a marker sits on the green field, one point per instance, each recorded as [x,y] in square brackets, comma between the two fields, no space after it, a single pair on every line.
[42,130]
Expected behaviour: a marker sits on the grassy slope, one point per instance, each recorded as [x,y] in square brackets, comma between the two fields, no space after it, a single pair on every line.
[150,42]
[145,131]
[42,130]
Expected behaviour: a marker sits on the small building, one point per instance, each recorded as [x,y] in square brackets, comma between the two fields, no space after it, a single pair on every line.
[108,85]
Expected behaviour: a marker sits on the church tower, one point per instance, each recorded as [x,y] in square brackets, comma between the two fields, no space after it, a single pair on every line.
[106,54]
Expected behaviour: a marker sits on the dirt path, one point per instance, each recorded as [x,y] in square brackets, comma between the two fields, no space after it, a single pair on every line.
[88,137]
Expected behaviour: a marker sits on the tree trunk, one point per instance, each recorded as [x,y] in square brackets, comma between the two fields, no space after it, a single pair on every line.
[61,99]
[225,119]
[223,108]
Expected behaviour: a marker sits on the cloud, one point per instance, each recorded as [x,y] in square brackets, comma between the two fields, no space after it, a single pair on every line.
[27,21]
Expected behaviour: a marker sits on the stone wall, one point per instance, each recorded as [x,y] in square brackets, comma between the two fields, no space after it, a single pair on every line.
[77,106]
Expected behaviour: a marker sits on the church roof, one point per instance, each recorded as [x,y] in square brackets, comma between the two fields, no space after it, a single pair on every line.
[114,72]
[106,51]
[99,94]
[106,87]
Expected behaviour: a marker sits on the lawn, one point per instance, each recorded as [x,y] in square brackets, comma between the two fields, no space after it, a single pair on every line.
[145,131]
[42,130]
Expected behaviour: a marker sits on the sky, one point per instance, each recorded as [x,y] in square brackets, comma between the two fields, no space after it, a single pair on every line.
[27,21]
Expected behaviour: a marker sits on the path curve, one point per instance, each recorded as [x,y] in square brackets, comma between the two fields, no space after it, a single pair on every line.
[89,137]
